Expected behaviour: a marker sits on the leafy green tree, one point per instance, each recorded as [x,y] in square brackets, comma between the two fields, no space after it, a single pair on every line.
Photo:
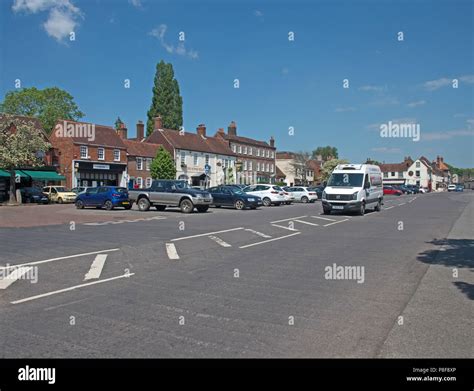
[329,166]
[163,165]
[372,161]
[167,101]
[25,147]
[230,176]
[326,153]
[48,105]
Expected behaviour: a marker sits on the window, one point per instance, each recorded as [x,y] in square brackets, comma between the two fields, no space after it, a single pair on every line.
[148,163]
[392,174]
[400,174]
[240,148]
[250,151]
[139,163]
[272,167]
[258,164]
[268,153]
[417,173]
[207,159]
[234,148]
[139,182]
[195,157]
[100,154]
[258,151]
[245,165]
[385,174]
[245,150]
[117,155]
[148,182]
[84,152]
[268,167]
[183,158]
[417,164]
[273,154]
[250,165]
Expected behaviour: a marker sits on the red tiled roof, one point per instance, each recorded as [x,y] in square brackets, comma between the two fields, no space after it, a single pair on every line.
[394,167]
[285,155]
[142,149]
[245,140]
[191,142]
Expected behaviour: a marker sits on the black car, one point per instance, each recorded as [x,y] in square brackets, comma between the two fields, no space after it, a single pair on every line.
[233,196]
[415,189]
[33,195]
[318,189]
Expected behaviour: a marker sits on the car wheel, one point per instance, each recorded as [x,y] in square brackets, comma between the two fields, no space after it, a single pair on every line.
[304,199]
[267,201]
[160,208]
[186,206]
[378,207]
[60,200]
[79,204]
[239,205]
[143,204]
[202,209]
[362,209]
[108,205]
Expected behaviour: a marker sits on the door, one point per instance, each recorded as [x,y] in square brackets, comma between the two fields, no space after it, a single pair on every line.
[90,197]
[226,197]
[54,195]
[102,195]
[216,195]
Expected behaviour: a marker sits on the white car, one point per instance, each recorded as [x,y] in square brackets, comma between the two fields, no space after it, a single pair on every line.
[270,194]
[452,188]
[289,197]
[303,194]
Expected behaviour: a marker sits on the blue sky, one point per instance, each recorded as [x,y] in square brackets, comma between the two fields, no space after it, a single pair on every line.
[283,83]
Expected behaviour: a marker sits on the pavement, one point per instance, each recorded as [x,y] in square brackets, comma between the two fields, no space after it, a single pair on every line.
[242,283]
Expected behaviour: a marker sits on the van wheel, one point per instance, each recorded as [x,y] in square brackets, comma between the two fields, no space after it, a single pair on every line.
[304,199]
[186,206]
[143,204]
[108,205]
[267,201]
[362,209]
[378,207]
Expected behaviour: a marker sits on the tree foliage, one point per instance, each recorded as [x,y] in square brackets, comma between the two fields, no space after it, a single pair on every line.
[329,167]
[167,101]
[326,153]
[163,165]
[48,105]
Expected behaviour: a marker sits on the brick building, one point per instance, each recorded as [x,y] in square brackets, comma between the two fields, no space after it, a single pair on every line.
[255,159]
[90,154]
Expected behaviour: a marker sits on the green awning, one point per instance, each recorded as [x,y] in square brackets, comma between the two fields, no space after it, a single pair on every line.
[43,175]
[4,173]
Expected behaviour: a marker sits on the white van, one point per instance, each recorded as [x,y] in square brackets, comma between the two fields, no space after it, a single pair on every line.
[353,187]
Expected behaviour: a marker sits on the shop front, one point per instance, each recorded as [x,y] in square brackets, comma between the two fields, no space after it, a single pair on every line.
[91,174]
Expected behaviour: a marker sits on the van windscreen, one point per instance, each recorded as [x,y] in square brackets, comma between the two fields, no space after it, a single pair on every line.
[345,180]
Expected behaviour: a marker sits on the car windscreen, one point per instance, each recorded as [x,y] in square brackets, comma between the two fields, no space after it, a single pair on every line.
[346,180]
[182,185]
[235,190]
[60,188]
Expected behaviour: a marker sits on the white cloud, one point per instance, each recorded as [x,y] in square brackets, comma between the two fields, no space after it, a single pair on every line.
[446,135]
[258,13]
[385,101]
[416,103]
[160,32]
[285,71]
[370,88]
[445,81]
[136,3]
[344,109]
[467,79]
[62,18]
[386,150]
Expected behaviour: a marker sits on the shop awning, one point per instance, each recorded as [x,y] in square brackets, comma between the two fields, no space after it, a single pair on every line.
[43,175]
[4,173]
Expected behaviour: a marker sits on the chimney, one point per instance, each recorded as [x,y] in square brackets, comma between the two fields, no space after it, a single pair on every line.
[272,142]
[122,131]
[140,130]
[158,123]
[232,129]
[201,130]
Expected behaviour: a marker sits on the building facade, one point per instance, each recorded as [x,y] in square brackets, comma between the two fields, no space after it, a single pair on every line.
[298,171]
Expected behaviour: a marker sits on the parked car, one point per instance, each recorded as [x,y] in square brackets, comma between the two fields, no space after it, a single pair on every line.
[289,197]
[233,196]
[108,197]
[459,188]
[80,189]
[33,195]
[239,186]
[59,194]
[390,190]
[451,187]
[416,189]
[164,193]
[318,190]
[303,194]
[270,194]
[403,189]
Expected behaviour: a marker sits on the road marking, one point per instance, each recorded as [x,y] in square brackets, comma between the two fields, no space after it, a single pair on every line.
[306,222]
[403,203]
[219,241]
[258,233]
[59,258]
[335,222]
[269,240]
[292,218]
[171,251]
[322,218]
[126,221]
[282,226]
[15,275]
[206,234]
[126,275]
[390,207]
[96,267]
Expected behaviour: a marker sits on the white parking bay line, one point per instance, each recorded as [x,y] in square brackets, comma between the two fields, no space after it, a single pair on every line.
[306,222]
[171,251]
[335,222]
[206,234]
[96,267]
[322,218]
[59,258]
[269,240]
[258,233]
[219,241]
[126,275]
[282,226]
[390,207]
[13,276]
[292,218]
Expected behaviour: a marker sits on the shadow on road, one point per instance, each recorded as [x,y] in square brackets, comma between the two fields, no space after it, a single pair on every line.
[453,253]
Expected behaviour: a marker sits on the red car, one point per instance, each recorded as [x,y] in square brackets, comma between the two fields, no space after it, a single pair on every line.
[389,190]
